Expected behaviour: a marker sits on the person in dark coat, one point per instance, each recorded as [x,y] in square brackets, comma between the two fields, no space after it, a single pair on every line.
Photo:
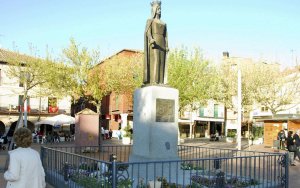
[290,142]
[281,137]
[110,133]
[297,142]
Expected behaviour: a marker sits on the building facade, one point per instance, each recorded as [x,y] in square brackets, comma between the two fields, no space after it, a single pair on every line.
[11,93]
[259,118]
[117,108]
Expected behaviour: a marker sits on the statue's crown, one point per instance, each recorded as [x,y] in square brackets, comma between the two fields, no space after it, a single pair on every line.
[155,2]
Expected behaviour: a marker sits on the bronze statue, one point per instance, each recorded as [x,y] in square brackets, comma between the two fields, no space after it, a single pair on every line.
[156,47]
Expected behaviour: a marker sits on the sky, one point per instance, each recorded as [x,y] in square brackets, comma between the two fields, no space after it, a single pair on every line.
[267,30]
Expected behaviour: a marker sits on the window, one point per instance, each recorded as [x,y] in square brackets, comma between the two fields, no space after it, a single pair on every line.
[117,102]
[52,105]
[264,109]
[216,112]
[201,111]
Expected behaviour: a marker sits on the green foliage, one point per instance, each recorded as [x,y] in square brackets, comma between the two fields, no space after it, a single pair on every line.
[80,61]
[166,184]
[262,83]
[87,166]
[191,74]
[127,130]
[44,77]
[125,183]
[190,166]
[257,132]
[118,74]
[233,182]
[122,74]
[141,183]
[231,133]
[91,182]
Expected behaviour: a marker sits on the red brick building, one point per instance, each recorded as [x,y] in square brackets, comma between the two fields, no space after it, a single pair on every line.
[117,109]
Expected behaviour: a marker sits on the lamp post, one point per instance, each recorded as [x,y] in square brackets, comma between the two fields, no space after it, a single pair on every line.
[239,106]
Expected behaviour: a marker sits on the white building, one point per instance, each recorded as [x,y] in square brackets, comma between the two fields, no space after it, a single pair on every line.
[11,93]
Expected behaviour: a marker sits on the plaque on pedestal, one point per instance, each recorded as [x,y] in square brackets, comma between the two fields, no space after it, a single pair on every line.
[155,124]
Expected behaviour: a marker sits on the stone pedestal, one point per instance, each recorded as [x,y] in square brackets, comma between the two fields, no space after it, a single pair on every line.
[155,124]
[87,128]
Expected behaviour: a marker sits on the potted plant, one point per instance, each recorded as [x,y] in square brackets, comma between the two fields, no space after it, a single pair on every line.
[258,133]
[127,135]
[231,135]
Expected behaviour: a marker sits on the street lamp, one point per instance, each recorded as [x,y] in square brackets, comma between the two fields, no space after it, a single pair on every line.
[239,107]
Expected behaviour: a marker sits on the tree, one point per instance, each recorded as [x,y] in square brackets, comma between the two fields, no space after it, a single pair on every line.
[80,61]
[276,89]
[191,74]
[119,74]
[36,75]
[262,84]
[123,74]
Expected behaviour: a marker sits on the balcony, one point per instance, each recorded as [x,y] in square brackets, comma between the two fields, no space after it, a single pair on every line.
[13,109]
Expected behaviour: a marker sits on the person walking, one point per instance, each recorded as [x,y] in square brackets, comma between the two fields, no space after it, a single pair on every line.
[110,133]
[297,143]
[281,137]
[290,146]
[25,167]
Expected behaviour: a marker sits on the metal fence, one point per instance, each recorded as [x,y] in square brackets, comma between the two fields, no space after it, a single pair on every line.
[108,166]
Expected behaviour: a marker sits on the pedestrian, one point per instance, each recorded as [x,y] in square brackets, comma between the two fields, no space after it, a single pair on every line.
[9,136]
[217,136]
[290,146]
[106,133]
[102,133]
[297,143]
[281,137]
[119,134]
[25,167]
[110,133]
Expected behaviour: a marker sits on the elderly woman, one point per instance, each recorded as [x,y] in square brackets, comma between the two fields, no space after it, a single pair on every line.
[25,167]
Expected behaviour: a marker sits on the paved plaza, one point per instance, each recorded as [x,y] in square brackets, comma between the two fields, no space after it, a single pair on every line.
[294,171]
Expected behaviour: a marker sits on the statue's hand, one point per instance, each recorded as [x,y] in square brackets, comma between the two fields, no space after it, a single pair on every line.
[152,41]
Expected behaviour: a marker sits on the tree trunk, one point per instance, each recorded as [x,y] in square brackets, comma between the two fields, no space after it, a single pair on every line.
[225,120]
[191,124]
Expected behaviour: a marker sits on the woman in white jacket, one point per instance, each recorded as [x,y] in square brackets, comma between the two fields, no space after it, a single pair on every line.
[25,167]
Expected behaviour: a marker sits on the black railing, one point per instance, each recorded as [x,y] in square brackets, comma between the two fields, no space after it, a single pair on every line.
[108,166]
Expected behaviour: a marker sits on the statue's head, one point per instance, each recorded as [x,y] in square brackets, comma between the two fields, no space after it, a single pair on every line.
[156,8]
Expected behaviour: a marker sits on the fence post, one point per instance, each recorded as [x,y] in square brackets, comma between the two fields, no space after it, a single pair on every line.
[66,172]
[113,160]
[42,154]
[287,170]
[217,163]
